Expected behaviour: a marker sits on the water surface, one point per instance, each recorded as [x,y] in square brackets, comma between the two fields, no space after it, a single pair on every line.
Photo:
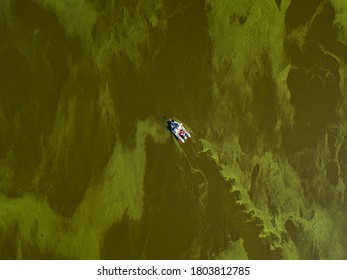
[88,169]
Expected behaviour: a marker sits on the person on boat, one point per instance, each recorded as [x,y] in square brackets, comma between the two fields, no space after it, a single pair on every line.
[176,125]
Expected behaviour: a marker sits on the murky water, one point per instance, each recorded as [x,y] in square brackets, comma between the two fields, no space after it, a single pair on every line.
[88,169]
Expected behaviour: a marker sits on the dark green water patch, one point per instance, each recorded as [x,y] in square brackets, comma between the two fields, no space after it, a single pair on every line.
[122,241]
[299,12]
[239,18]
[129,95]
[263,113]
[315,92]
[184,63]
[16,81]
[171,213]
[325,31]
[278,3]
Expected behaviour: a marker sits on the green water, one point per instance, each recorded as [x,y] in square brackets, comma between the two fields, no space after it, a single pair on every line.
[88,169]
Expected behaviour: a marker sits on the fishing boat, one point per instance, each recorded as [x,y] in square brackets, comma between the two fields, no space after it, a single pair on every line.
[178,130]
